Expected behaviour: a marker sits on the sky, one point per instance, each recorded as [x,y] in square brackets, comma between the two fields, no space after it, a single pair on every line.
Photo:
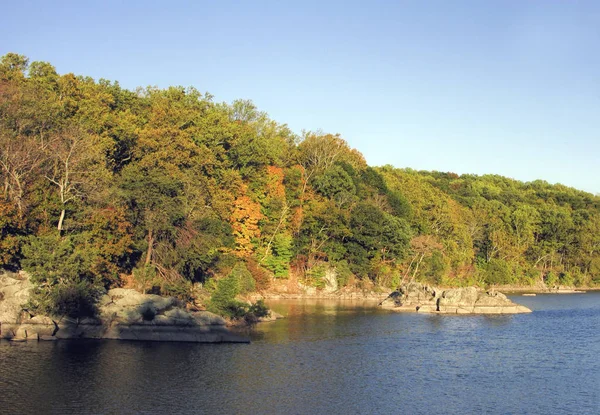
[501,87]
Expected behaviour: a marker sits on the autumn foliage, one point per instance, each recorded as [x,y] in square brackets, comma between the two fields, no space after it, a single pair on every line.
[174,191]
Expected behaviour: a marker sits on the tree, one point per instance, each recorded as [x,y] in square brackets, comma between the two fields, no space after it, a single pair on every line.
[75,167]
[13,66]
[154,200]
[244,222]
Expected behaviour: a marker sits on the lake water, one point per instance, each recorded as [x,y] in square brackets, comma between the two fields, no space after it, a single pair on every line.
[329,358]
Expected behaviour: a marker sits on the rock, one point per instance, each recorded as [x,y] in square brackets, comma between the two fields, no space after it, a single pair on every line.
[14,290]
[123,314]
[469,300]
[412,297]
[330,280]
[271,317]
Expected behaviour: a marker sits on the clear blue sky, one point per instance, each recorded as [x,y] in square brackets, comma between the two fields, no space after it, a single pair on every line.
[506,87]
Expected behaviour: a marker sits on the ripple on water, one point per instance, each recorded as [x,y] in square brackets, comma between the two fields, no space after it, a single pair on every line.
[329,358]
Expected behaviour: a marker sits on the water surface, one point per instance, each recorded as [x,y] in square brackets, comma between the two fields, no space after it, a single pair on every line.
[329,358]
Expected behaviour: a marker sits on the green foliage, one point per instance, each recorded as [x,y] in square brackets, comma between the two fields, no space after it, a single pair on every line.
[434,268]
[566,278]
[336,184]
[177,189]
[74,300]
[343,273]
[145,277]
[375,234]
[497,272]
[259,309]
[222,301]
[315,275]
[179,288]
[279,260]
[551,279]
[245,281]
[61,273]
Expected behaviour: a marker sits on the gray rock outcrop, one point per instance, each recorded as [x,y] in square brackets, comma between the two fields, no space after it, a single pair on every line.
[123,314]
[470,300]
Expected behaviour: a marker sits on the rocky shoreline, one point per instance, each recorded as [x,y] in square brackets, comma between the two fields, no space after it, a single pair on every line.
[123,314]
[416,297]
[129,315]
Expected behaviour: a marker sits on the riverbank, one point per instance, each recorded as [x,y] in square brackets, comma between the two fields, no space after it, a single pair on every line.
[122,314]
[294,290]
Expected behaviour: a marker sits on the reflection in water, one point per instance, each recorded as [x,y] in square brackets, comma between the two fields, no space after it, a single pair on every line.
[325,357]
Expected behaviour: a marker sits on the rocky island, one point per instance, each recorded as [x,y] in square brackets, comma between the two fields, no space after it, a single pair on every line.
[470,300]
[123,314]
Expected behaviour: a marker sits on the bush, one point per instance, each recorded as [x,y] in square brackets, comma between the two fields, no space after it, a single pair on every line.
[259,309]
[566,278]
[497,272]
[222,301]
[181,289]
[260,275]
[244,278]
[580,279]
[531,276]
[279,260]
[61,273]
[256,311]
[77,300]
[435,267]
[551,279]
[343,273]
[145,277]
[315,275]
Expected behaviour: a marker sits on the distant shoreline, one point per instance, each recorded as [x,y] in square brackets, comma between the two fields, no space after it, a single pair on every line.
[374,296]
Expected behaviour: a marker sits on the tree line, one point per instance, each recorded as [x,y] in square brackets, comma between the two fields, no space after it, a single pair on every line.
[168,190]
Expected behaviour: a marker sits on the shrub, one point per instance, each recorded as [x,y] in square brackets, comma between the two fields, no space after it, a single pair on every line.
[244,278]
[551,279]
[259,309]
[580,279]
[315,275]
[343,273]
[260,275]
[223,300]
[145,277]
[279,260]
[497,272]
[62,276]
[566,278]
[435,267]
[180,288]
[76,300]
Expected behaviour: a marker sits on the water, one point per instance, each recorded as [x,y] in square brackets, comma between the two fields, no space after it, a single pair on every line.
[329,358]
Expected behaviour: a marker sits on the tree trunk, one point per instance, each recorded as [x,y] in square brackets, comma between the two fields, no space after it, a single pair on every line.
[60,221]
[150,244]
[417,267]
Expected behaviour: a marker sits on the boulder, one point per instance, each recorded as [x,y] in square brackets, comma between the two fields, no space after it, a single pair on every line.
[14,292]
[412,297]
[272,316]
[469,300]
[122,314]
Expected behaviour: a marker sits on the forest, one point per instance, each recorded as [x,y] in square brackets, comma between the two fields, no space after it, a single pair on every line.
[170,192]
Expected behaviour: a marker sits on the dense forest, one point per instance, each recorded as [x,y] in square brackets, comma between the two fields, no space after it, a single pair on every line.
[170,192]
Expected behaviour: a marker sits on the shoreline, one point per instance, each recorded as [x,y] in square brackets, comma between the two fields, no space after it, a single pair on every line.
[380,296]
